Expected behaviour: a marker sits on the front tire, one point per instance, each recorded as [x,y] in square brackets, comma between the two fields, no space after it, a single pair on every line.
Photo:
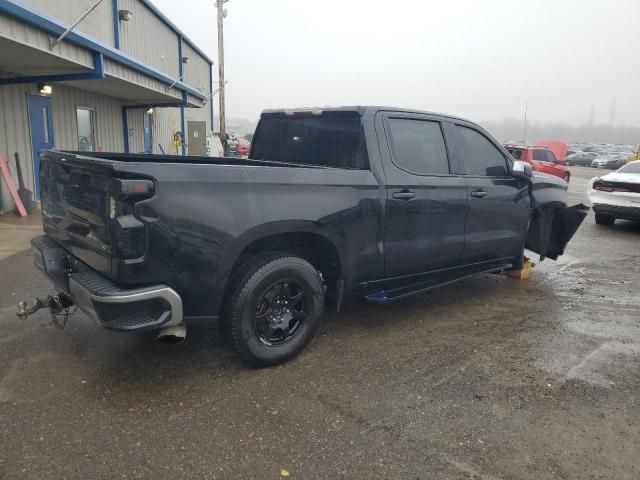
[274,309]
[566,177]
[604,219]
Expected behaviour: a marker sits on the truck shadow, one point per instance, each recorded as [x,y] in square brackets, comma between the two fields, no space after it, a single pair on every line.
[362,326]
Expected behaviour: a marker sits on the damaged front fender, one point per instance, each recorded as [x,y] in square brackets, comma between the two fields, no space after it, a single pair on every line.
[552,226]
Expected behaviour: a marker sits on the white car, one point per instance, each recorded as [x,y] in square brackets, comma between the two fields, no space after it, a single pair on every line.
[616,195]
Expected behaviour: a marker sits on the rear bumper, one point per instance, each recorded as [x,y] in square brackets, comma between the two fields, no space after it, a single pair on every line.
[114,308]
[618,211]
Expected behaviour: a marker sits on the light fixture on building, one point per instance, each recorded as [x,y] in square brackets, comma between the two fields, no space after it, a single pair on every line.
[185,59]
[125,15]
[150,111]
[45,89]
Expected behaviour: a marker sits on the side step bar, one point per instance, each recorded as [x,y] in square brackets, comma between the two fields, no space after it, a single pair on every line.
[387,296]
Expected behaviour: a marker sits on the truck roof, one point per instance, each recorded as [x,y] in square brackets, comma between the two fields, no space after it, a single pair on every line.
[353,109]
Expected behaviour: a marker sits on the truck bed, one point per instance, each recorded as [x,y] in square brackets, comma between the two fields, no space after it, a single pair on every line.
[177,159]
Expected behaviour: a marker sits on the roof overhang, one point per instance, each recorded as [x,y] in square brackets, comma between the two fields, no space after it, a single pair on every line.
[24,63]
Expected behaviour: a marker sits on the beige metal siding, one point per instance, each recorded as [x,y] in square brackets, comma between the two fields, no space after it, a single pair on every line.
[108,118]
[166,121]
[98,24]
[14,134]
[196,71]
[114,69]
[135,119]
[22,33]
[202,114]
[148,39]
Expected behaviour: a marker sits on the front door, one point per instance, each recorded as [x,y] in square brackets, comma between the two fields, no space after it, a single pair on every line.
[499,204]
[41,125]
[197,141]
[426,203]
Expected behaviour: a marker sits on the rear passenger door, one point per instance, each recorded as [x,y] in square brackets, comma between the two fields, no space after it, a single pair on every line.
[498,203]
[426,200]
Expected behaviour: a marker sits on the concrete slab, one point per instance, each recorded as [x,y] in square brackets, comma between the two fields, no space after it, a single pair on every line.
[16,232]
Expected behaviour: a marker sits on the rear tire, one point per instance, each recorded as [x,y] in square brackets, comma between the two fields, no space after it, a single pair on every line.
[604,219]
[274,309]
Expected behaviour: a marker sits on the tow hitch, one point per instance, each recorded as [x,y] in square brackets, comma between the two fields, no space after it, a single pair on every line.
[59,305]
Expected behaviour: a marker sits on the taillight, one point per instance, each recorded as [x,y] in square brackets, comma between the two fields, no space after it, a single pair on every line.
[606,188]
[128,233]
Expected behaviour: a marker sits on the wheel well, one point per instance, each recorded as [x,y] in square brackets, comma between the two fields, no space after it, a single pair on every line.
[314,248]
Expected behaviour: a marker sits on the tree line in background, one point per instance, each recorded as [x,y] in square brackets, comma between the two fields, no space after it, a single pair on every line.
[513,129]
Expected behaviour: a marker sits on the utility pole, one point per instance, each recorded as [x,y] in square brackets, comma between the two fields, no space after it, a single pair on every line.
[526,110]
[222,13]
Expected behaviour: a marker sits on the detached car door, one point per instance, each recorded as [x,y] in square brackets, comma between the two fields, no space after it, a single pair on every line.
[499,205]
[426,202]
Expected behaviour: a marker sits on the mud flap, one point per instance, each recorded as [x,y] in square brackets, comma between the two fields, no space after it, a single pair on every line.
[552,227]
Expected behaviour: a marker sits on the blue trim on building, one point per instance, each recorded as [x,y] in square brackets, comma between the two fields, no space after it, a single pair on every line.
[51,26]
[116,24]
[182,126]
[97,74]
[180,64]
[125,129]
[138,106]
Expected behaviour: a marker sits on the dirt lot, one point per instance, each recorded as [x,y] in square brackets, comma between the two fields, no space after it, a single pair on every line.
[491,378]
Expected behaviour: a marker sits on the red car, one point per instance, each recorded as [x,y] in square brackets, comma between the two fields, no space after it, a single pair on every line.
[541,159]
[243,147]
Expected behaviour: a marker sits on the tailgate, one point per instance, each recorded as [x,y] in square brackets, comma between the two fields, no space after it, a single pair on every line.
[75,206]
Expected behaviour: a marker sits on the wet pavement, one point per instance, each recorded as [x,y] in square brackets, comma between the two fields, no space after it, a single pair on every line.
[490,378]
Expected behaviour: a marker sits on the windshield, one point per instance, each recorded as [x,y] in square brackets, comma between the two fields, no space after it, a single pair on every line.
[327,140]
[633,167]
[515,153]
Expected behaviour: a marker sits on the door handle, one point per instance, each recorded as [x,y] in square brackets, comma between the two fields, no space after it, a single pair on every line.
[403,195]
[479,194]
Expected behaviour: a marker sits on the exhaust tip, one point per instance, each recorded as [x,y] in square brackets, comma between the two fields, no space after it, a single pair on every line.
[173,335]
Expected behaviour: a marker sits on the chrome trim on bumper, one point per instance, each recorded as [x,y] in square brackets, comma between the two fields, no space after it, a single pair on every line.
[85,299]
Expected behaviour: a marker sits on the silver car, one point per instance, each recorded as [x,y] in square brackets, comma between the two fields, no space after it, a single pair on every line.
[609,161]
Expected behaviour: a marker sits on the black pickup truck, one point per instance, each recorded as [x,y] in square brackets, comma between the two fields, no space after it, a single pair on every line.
[377,202]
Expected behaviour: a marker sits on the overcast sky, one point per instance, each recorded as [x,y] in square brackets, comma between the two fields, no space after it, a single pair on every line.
[479,59]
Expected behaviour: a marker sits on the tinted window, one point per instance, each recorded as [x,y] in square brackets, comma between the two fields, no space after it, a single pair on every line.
[332,141]
[418,146]
[483,157]
[539,155]
[551,157]
[515,153]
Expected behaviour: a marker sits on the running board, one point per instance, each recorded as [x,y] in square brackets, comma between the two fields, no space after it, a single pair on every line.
[387,296]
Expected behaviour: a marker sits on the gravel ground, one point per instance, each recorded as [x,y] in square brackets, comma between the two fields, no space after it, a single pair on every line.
[491,378]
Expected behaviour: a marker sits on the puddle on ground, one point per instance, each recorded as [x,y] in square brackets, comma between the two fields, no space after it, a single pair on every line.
[598,339]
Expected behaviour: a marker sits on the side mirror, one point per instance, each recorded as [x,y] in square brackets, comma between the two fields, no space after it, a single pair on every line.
[521,170]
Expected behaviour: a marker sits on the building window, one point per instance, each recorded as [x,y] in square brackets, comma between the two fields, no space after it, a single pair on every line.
[86,129]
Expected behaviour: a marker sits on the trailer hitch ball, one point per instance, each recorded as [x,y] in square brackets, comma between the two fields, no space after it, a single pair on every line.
[57,304]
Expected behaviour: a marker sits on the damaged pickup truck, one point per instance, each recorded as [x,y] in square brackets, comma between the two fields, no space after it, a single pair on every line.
[377,202]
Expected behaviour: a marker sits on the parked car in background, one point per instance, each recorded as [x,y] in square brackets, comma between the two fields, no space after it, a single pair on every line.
[541,159]
[580,158]
[609,161]
[616,195]
[243,147]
